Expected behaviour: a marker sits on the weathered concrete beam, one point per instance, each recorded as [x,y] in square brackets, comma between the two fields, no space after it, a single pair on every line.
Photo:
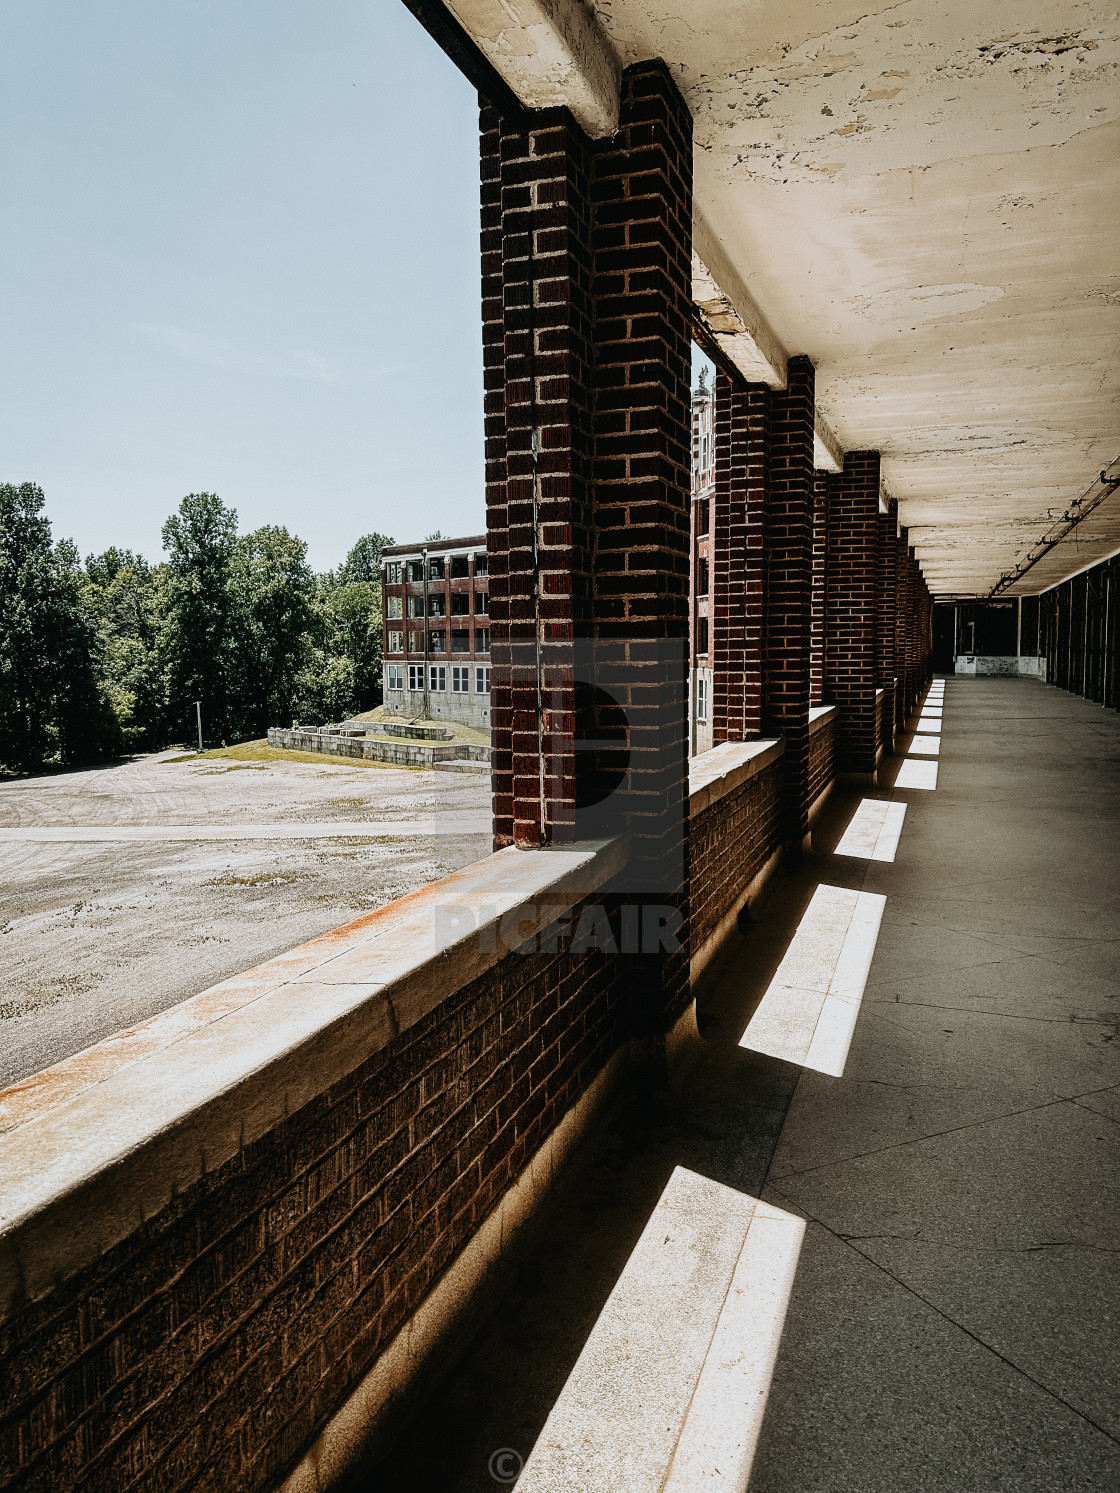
[828,455]
[551,53]
[730,313]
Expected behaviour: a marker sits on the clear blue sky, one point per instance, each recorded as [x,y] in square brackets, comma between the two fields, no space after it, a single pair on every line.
[238,253]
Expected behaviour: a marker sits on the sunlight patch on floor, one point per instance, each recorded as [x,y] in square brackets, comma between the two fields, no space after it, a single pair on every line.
[916,773]
[926,746]
[874,830]
[724,1421]
[809,1011]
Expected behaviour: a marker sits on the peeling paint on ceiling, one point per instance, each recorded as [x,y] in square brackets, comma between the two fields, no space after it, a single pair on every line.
[924,200]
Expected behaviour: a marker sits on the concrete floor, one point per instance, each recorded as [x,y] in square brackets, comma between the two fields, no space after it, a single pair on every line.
[953,1318]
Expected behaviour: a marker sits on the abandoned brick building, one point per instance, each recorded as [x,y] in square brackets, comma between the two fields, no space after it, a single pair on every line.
[435,621]
[741,1121]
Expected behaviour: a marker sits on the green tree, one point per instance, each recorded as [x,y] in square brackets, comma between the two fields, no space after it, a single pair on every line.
[342,675]
[52,704]
[273,596]
[363,563]
[198,640]
[129,596]
[25,601]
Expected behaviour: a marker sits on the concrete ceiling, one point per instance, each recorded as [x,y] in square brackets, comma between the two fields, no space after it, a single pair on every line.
[923,198]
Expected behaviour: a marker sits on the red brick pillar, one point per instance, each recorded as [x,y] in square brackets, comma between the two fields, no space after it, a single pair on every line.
[820,569]
[587,274]
[850,611]
[738,565]
[885,622]
[903,699]
[536,318]
[642,242]
[914,620]
[789,587]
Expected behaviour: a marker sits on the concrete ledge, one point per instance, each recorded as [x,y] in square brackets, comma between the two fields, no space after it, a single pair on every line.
[820,715]
[713,774]
[105,1140]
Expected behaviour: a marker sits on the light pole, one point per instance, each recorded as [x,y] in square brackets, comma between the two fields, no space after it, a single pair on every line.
[198,712]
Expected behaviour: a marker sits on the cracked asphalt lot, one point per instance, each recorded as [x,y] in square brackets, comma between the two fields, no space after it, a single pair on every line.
[96,936]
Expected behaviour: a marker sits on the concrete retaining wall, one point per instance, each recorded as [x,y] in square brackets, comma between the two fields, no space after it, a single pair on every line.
[978,663]
[405,753]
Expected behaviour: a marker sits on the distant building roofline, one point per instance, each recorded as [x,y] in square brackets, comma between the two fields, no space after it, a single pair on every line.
[434,546]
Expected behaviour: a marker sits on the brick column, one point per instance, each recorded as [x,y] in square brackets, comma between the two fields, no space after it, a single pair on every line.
[903,699]
[885,620]
[587,256]
[738,563]
[820,572]
[642,241]
[789,585]
[850,612]
[537,352]
[914,640]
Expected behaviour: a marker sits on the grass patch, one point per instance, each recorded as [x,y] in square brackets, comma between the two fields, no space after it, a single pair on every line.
[259,754]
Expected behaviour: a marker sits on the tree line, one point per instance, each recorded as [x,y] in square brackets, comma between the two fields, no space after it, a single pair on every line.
[109,657]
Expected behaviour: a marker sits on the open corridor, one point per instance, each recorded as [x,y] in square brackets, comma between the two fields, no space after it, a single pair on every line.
[925,1297]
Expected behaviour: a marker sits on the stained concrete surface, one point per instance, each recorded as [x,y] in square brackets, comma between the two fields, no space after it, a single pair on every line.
[918,197]
[953,1316]
[96,936]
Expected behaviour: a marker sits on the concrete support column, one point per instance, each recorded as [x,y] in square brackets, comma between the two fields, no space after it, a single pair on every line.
[738,563]
[587,266]
[885,614]
[789,587]
[817,622]
[851,608]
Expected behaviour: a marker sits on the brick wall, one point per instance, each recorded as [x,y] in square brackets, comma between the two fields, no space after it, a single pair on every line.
[822,758]
[731,841]
[206,1350]
[852,608]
